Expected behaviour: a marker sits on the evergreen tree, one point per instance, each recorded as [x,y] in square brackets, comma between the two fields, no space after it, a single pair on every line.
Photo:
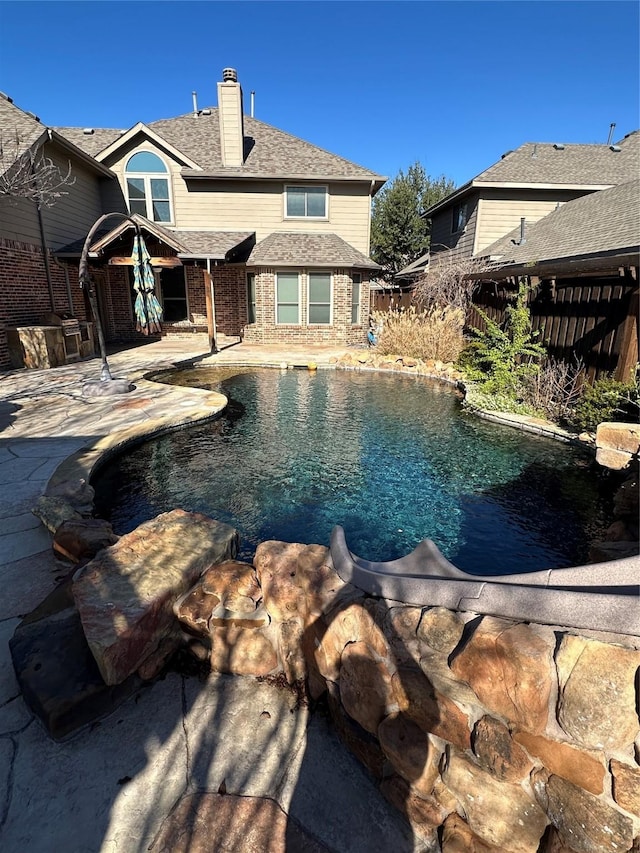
[399,235]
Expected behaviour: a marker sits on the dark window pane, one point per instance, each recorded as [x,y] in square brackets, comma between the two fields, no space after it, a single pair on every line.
[161,212]
[135,187]
[295,201]
[251,297]
[160,189]
[316,202]
[145,161]
[319,287]
[320,314]
[139,207]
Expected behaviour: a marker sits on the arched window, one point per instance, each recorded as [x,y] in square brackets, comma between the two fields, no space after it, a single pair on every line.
[147,191]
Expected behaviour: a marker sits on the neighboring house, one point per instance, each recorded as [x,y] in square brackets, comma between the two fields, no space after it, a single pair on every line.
[527,183]
[268,229]
[581,262]
[567,219]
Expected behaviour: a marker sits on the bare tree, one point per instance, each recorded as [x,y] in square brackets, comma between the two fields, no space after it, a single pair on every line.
[449,281]
[31,175]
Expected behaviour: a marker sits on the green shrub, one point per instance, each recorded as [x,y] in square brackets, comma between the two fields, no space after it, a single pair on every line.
[503,357]
[605,400]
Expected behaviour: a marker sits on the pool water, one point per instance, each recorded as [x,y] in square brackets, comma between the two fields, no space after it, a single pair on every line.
[392,459]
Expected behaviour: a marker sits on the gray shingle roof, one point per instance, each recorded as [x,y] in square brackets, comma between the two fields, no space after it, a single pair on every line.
[188,244]
[602,222]
[309,250]
[268,151]
[542,163]
[211,244]
[91,143]
[19,130]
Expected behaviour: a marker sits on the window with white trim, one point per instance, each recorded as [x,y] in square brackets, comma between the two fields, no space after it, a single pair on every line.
[319,298]
[251,297]
[305,202]
[287,298]
[356,281]
[147,190]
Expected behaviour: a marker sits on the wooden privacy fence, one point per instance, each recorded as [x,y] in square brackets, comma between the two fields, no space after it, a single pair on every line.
[592,319]
[385,300]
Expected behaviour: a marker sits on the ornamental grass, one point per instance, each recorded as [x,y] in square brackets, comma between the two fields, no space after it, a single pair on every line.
[433,333]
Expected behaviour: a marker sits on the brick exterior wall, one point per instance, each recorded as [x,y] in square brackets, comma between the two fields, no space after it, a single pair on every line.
[266,331]
[24,294]
[230,289]
[24,299]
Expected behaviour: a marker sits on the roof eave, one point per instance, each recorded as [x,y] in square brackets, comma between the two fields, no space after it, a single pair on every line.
[87,159]
[376,180]
[314,264]
[623,257]
[475,184]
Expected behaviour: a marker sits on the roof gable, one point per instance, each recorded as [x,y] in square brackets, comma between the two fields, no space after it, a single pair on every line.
[142,129]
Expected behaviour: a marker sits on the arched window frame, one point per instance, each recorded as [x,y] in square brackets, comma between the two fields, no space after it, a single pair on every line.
[150,191]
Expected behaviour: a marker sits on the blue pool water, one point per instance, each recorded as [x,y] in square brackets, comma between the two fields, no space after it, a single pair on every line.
[392,459]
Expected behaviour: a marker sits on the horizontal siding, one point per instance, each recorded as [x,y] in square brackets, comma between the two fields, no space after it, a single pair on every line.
[256,205]
[19,220]
[461,243]
[501,211]
[73,214]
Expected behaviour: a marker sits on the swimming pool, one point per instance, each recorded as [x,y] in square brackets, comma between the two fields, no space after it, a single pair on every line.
[393,459]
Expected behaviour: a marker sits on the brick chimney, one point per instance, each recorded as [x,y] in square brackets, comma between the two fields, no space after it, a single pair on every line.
[230,117]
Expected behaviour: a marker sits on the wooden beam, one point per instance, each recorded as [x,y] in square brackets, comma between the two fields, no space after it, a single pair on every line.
[629,343]
[155,262]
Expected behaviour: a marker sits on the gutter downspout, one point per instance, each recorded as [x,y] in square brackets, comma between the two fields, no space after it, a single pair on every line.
[67,281]
[43,241]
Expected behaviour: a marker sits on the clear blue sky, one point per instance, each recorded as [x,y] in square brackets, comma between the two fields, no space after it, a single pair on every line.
[452,84]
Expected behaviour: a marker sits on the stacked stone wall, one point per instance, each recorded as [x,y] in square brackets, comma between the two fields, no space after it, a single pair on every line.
[488,734]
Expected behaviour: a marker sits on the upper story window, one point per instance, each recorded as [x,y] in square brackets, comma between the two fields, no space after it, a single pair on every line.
[305,202]
[459,217]
[147,190]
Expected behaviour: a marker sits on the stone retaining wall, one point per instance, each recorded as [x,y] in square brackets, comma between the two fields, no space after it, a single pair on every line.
[488,734]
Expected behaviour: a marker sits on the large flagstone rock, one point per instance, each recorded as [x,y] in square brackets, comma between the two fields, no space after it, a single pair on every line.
[501,814]
[586,823]
[57,674]
[509,667]
[81,539]
[125,594]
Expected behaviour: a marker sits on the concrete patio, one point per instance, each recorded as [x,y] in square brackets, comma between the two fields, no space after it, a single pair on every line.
[111,786]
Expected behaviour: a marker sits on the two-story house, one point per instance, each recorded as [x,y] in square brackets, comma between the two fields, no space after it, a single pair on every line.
[271,230]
